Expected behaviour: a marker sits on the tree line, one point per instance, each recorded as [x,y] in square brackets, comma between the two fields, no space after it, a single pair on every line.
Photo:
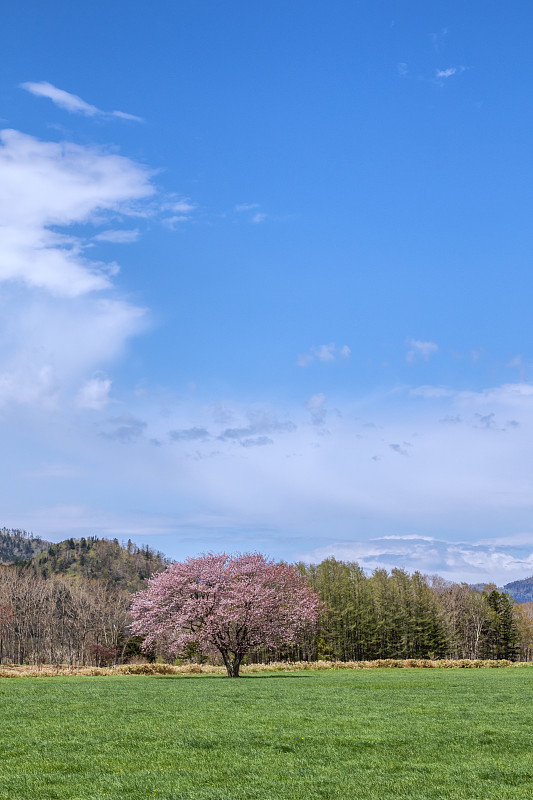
[398,615]
[60,620]
[55,610]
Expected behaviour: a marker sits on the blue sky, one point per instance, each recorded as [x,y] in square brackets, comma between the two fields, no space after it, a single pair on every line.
[265,279]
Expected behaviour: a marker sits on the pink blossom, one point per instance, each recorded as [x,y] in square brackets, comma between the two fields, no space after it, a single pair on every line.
[226,603]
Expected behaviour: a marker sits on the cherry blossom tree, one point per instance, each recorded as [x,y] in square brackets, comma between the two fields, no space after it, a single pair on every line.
[227,603]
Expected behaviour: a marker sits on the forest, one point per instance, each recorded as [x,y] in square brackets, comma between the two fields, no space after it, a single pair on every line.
[68,603]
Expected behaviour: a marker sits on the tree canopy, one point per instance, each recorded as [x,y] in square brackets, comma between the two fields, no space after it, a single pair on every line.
[227,603]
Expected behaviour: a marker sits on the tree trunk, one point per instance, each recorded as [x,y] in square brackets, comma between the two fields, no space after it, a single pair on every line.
[232,664]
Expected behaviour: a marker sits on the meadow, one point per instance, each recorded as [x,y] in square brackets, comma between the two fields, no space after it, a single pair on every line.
[385,733]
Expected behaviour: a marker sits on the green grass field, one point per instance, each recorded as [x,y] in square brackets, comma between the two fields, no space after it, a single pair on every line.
[418,734]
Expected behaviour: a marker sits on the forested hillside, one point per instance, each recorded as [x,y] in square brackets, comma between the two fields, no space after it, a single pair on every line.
[70,602]
[522,591]
[18,545]
[126,566]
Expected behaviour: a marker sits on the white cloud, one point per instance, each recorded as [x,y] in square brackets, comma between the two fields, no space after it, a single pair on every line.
[259,217]
[124,115]
[255,218]
[387,468]
[71,102]
[178,209]
[50,344]
[420,349]
[246,207]
[29,381]
[60,316]
[324,353]
[304,359]
[509,395]
[429,477]
[180,206]
[94,393]
[45,185]
[402,69]
[474,562]
[117,236]
[447,73]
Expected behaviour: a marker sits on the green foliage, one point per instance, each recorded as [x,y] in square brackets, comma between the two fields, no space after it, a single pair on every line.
[401,616]
[382,616]
[367,735]
[19,545]
[126,567]
[133,650]
[501,640]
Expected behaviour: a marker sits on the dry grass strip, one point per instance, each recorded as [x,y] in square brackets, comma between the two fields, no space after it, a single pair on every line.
[48,671]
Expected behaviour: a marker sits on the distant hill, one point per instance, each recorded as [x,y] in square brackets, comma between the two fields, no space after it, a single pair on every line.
[480,586]
[126,566]
[522,591]
[18,545]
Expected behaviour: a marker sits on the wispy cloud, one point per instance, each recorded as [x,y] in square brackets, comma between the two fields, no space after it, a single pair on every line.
[177,210]
[251,212]
[400,448]
[71,102]
[480,561]
[324,353]
[125,429]
[241,207]
[518,363]
[257,441]
[259,217]
[260,423]
[419,349]
[443,74]
[194,434]
[117,236]
[439,39]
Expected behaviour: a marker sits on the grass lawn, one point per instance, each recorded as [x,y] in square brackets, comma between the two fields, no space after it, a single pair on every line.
[413,733]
